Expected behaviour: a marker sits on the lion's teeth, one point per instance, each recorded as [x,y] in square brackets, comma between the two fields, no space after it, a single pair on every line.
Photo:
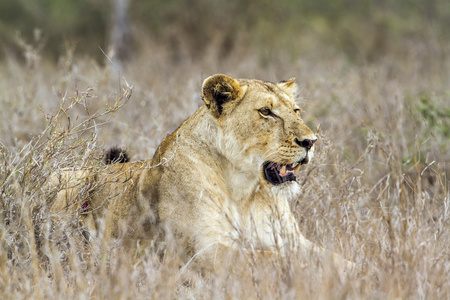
[294,165]
[283,170]
[297,168]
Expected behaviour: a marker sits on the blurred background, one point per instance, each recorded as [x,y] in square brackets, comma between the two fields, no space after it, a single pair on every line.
[363,31]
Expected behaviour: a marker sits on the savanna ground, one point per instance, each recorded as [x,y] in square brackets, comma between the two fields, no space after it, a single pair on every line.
[377,191]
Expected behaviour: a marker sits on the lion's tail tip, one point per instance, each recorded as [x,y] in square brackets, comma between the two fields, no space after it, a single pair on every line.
[116,155]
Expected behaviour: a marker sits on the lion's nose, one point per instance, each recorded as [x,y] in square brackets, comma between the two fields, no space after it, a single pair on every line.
[305,143]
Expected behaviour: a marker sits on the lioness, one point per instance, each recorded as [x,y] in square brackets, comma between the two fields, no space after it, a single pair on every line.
[225,176]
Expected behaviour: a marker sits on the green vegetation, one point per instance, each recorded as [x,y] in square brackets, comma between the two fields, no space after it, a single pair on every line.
[375,75]
[363,30]
[436,114]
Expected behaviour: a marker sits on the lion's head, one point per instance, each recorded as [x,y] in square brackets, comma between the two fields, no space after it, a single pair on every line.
[261,129]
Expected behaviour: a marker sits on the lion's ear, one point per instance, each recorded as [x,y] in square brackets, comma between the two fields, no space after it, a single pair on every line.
[289,86]
[219,90]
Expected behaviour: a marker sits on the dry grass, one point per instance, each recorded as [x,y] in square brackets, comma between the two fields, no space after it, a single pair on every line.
[377,191]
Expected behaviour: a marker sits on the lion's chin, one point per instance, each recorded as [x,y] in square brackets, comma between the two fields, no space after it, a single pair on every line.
[278,173]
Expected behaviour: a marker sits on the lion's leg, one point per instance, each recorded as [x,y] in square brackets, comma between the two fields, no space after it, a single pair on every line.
[230,259]
[307,248]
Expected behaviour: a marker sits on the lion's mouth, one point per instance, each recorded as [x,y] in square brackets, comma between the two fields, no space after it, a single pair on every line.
[277,173]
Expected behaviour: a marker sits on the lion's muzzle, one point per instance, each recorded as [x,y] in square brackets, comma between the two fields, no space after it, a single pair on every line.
[305,143]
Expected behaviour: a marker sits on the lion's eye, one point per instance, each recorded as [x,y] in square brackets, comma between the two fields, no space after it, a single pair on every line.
[265,112]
